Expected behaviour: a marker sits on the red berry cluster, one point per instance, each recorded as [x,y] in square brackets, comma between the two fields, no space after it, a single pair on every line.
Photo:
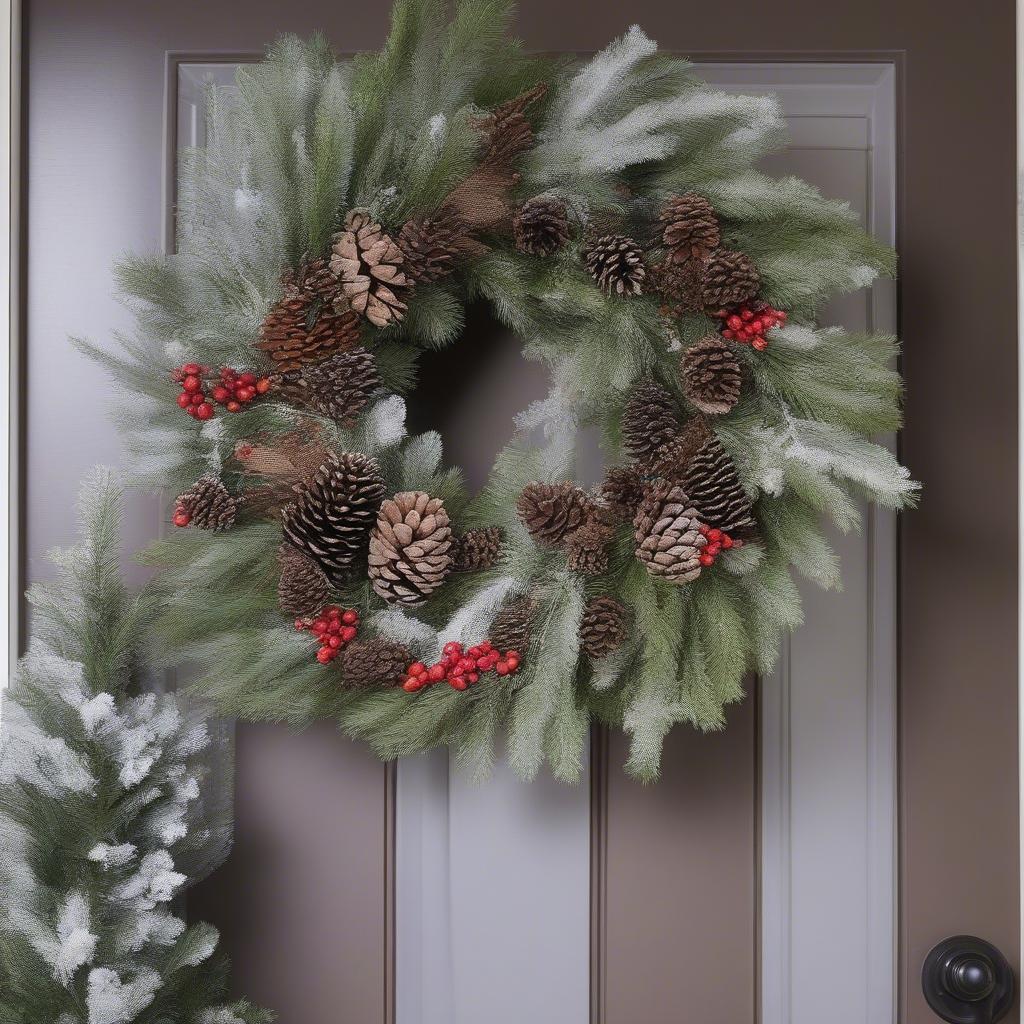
[333,628]
[718,541]
[181,516]
[460,667]
[750,326]
[228,388]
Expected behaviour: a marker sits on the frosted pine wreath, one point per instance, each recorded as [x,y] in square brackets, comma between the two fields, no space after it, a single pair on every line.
[326,564]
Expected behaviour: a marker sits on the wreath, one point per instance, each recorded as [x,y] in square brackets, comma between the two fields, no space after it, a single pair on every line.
[324,563]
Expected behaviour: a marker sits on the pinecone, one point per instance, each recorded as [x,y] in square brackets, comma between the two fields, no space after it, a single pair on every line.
[540,226]
[208,504]
[476,549]
[711,376]
[622,490]
[714,488]
[370,268]
[310,320]
[303,588]
[649,419]
[671,460]
[332,518]
[667,532]
[376,662]
[691,227]
[616,263]
[512,626]
[431,246]
[338,388]
[729,279]
[552,511]
[588,547]
[507,129]
[604,627]
[678,284]
[410,548]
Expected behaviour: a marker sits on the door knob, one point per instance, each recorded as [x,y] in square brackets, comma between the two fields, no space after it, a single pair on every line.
[967,980]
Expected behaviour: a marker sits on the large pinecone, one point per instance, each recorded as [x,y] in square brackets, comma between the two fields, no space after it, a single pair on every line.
[715,491]
[673,458]
[616,263]
[410,548]
[338,388]
[512,627]
[476,549]
[711,376]
[604,627]
[308,322]
[690,227]
[303,588]
[649,419]
[587,548]
[432,245]
[552,511]
[730,278]
[667,533]
[375,662]
[622,490]
[370,268]
[332,519]
[208,504]
[540,226]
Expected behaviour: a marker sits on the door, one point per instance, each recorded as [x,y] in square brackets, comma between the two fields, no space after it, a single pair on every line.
[861,806]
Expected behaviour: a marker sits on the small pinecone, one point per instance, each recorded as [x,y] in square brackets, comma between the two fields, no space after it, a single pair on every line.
[729,279]
[332,518]
[668,537]
[512,626]
[540,226]
[616,263]
[308,322]
[303,588]
[671,460]
[714,489]
[431,246]
[552,511]
[410,548]
[649,419]
[711,376]
[476,549]
[209,504]
[622,490]
[679,285]
[691,227]
[367,664]
[338,388]
[370,268]
[604,627]
[588,547]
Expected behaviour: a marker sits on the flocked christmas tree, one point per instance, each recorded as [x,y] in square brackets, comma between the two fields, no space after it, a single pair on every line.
[101,822]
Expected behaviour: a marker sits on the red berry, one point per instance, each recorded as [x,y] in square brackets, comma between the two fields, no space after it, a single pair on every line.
[713,549]
[205,411]
[435,673]
[760,344]
[706,559]
[502,668]
[714,534]
[334,642]
[452,647]
[473,677]
[728,335]
[191,410]
[486,646]
[233,406]
[746,314]
[348,633]
[196,398]
[513,663]
[410,686]
[727,541]
[221,394]
[324,655]
[318,625]
[263,385]
[349,617]
[192,369]
[191,383]
[182,518]
[417,668]
[248,378]
[458,683]
[245,393]
[734,323]
[183,400]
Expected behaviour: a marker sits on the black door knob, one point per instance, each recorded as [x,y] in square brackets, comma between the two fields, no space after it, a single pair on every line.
[967,980]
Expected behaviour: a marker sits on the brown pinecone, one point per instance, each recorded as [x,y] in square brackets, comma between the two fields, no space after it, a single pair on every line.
[410,548]
[730,278]
[678,284]
[667,533]
[540,227]
[476,549]
[512,626]
[711,376]
[507,129]
[370,268]
[552,511]
[309,321]
[335,511]
[604,627]
[621,491]
[616,263]
[374,663]
[303,588]
[338,388]
[690,227]
[432,245]
[671,460]
[715,491]
[208,504]
[588,547]
[649,419]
